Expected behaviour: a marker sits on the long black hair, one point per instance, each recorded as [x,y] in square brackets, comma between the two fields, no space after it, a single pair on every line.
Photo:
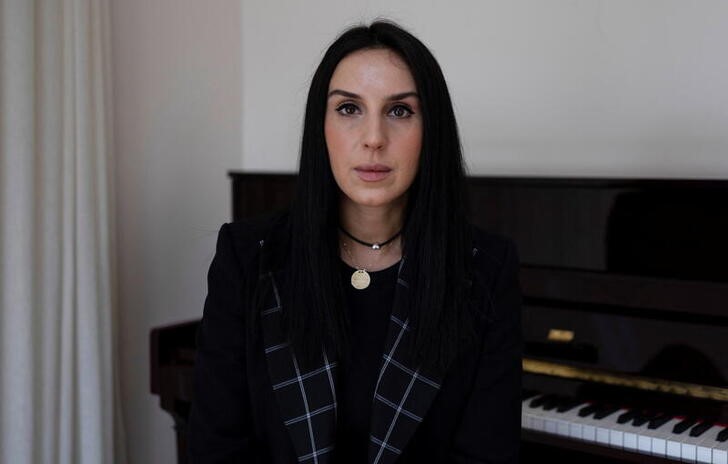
[435,234]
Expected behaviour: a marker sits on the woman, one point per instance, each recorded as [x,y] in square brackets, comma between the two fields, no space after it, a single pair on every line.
[372,324]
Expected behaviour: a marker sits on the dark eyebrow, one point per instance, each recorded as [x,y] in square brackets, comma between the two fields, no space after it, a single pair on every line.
[400,96]
[343,93]
[396,96]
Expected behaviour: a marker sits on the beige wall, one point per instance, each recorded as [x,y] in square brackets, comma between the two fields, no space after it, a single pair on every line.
[591,88]
[177,107]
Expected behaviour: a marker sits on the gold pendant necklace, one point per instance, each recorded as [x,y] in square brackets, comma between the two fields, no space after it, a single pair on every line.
[360,278]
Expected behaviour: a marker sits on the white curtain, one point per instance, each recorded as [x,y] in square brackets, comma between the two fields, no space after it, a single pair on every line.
[58,384]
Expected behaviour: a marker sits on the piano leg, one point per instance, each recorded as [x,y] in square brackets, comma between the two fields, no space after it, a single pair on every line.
[180,428]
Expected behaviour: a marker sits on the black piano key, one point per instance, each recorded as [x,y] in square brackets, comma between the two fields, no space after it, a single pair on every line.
[700,428]
[640,420]
[568,404]
[627,416]
[682,426]
[586,411]
[526,394]
[723,435]
[535,403]
[605,411]
[551,403]
[645,416]
[659,421]
[538,401]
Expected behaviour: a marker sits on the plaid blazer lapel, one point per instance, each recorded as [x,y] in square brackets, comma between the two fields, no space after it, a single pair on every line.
[403,392]
[307,400]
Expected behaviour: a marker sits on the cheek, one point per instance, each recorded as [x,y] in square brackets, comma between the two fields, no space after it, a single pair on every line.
[335,136]
[336,145]
[411,147]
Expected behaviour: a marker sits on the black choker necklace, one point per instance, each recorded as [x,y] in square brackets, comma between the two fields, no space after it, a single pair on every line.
[373,246]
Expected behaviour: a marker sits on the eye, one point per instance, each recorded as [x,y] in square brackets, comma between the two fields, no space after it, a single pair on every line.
[347,109]
[401,112]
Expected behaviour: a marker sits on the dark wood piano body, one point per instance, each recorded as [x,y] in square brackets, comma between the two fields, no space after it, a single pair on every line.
[635,272]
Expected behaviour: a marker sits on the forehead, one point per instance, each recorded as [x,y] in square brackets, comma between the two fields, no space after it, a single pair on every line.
[372,71]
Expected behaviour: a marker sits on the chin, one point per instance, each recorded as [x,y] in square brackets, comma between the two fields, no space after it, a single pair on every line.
[375,204]
[374,201]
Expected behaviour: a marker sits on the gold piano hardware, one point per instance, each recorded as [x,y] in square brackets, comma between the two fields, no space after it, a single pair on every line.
[559,335]
[534,366]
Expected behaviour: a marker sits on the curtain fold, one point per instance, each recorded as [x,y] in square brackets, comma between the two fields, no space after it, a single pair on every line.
[58,358]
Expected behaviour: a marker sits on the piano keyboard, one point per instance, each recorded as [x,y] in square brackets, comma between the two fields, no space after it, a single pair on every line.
[679,438]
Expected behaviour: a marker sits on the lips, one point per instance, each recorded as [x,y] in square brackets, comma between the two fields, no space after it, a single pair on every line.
[372,172]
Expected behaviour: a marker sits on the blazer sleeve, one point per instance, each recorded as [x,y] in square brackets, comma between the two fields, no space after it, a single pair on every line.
[220,426]
[489,431]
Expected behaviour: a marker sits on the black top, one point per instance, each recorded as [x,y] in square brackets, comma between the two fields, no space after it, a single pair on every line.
[369,310]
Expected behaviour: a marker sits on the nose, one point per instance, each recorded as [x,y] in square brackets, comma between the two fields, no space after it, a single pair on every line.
[375,135]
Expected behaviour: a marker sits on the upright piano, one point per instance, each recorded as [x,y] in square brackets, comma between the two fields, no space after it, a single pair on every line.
[625,285]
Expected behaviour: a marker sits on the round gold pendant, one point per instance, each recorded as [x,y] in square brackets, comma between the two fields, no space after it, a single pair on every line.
[360,279]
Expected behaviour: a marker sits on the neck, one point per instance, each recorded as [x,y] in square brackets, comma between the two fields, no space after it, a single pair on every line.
[369,223]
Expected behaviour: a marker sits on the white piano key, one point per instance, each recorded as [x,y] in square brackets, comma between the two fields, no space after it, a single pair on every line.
[688,452]
[644,437]
[633,434]
[523,418]
[534,417]
[562,428]
[526,416]
[689,445]
[588,427]
[549,425]
[720,456]
[709,441]
[593,430]
[674,442]
[673,449]
[602,435]
[538,423]
[526,412]
[644,444]
[589,431]
[704,455]
[537,420]
[616,438]
[604,428]
[574,421]
[616,430]
[659,438]
[551,422]
[567,425]
[607,430]
[527,420]
[575,430]
[629,441]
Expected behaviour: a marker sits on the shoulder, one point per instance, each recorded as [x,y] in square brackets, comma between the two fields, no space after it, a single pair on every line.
[243,238]
[492,252]
[256,228]
[495,263]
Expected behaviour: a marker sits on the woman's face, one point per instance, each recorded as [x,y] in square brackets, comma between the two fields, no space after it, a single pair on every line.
[373,128]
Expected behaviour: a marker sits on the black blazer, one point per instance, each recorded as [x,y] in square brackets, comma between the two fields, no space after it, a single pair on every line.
[252,403]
